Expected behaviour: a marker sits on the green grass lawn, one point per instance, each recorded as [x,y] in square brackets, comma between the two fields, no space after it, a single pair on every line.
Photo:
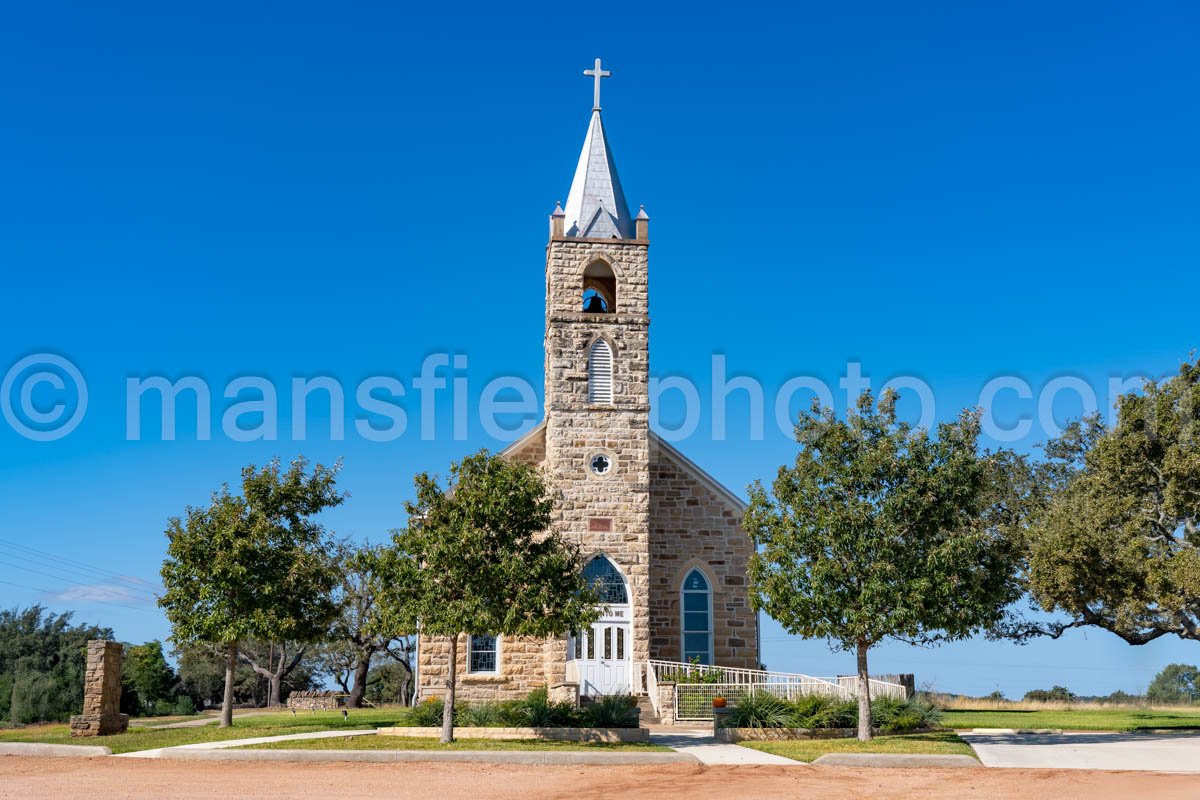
[409,743]
[258,725]
[1100,719]
[940,743]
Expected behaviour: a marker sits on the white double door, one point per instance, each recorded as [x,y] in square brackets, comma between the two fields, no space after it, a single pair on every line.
[602,657]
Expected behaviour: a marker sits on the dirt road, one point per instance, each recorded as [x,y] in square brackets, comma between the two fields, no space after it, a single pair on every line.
[120,778]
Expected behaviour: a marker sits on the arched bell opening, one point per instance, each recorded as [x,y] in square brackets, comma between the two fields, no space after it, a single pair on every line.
[599,289]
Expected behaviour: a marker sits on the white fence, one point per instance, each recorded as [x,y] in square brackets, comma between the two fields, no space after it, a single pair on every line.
[696,685]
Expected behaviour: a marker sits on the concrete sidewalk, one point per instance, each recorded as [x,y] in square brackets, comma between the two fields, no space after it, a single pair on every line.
[225,751]
[166,752]
[701,745]
[528,757]
[1158,752]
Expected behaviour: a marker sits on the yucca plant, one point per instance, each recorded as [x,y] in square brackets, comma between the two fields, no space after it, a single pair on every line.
[831,714]
[612,711]
[759,710]
[538,712]
[897,716]
[479,715]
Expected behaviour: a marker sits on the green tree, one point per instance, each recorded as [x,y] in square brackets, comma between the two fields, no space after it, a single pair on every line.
[147,680]
[1176,684]
[276,663]
[253,566]
[1055,694]
[1115,545]
[358,640]
[42,663]
[480,556]
[392,681]
[202,676]
[879,531]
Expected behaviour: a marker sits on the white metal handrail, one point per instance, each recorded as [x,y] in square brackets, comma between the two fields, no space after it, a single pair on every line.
[846,686]
[652,690]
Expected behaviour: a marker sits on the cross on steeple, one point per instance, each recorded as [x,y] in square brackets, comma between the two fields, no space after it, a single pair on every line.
[597,73]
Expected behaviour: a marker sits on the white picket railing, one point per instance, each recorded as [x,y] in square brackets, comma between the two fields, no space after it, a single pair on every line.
[697,684]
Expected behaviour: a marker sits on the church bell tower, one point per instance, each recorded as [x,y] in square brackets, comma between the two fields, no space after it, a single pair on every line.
[597,371]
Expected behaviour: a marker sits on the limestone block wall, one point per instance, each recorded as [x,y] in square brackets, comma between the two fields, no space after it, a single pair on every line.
[690,525]
[607,514]
[101,692]
[525,664]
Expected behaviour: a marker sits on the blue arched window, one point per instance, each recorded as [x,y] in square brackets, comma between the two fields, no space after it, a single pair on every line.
[606,579]
[696,602]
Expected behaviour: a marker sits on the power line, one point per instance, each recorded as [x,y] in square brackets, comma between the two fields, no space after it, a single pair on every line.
[102,602]
[68,578]
[68,564]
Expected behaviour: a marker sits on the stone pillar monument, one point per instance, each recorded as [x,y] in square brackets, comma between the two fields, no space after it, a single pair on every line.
[101,692]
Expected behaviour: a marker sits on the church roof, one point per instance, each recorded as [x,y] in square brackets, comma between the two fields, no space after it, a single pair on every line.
[596,207]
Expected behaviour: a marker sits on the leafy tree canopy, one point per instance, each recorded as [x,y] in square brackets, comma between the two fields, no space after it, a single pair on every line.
[42,663]
[254,565]
[880,530]
[481,556]
[1177,683]
[1115,544]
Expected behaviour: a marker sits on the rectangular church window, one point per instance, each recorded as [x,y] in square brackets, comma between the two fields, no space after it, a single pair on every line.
[483,654]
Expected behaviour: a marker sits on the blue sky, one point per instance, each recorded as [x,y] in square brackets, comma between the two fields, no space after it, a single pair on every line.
[951,192]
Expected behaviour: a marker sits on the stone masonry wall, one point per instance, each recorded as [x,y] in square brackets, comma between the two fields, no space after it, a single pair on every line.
[690,525]
[101,692]
[577,430]
[522,669]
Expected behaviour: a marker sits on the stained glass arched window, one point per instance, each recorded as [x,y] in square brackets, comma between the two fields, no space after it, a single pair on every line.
[602,575]
[696,601]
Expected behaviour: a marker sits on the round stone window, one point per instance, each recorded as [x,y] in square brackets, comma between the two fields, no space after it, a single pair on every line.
[601,464]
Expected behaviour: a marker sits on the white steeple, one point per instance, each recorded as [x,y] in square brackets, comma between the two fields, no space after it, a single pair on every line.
[596,207]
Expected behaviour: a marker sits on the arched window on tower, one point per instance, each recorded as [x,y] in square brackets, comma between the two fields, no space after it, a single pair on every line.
[600,373]
[696,601]
[599,289]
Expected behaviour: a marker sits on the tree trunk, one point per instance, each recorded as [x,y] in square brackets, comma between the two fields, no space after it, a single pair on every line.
[864,695]
[360,681]
[406,688]
[275,678]
[231,650]
[448,708]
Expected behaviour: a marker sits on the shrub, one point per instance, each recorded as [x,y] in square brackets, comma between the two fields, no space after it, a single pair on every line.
[832,713]
[484,715]
[1057,694]
[897,716]
[613,711]
[765,710]
[538,712]
[184,705]
[426,714]
[760,710]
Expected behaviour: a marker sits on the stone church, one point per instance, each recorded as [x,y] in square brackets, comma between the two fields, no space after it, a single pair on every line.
[659,534]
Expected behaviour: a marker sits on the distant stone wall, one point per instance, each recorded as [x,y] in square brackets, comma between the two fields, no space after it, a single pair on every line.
[101,692]
[314,701]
